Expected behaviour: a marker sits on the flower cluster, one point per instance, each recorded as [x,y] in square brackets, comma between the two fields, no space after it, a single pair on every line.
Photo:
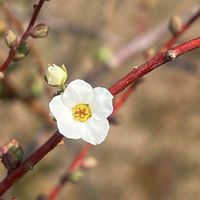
[81,111]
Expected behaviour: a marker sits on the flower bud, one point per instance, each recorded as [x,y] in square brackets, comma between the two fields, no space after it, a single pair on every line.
[11,155]
[40,31]
[11,39]
[75,176]
[89,162]
[56,76]
[175,25]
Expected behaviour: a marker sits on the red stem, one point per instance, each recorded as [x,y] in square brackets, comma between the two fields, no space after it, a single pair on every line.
[122,100]
[153,63]
[169,44]
[123,83]
[77,162]
[26,34]
[30,162]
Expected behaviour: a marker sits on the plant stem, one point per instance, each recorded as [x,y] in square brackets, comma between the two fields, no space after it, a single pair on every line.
[12,52]
[30,162]
[153,63]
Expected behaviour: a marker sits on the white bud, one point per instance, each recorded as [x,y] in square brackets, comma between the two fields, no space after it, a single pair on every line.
[56,76]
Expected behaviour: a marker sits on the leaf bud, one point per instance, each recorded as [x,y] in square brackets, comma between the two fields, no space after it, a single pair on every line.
[40,31]
[11,39]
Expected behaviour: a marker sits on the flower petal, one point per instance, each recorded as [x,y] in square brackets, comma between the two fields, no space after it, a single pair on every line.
[97,131]
[73,130]
[101,104]
[59,110]
[78,91]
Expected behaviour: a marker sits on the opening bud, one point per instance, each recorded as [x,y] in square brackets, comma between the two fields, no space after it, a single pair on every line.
[11,155]
[56,75]
[40,31]
[11,39]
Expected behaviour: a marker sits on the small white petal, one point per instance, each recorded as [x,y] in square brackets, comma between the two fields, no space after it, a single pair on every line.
[59,110]
[97,131]
[101,105]
[73,130]
[78,91]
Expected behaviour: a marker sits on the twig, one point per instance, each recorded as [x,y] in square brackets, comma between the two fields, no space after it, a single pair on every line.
[32,103]
[28,164]
[77,162]
[120,85]
[144,41]
[12,52]
[18,24]
[169,44]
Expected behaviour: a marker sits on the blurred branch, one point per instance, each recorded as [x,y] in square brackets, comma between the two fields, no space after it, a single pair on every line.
[13,50]
[77,162]
[141,44]
[31,102]
[144,41]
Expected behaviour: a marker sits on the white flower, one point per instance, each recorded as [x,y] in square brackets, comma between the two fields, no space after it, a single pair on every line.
[81,112]
[55,75]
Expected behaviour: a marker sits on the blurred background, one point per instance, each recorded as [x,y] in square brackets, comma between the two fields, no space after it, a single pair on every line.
[152,151]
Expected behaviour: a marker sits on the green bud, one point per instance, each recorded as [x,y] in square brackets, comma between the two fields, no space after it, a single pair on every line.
[40,31]
[104,54]
[75,176]
[56,76]
[22,51]
[11,39]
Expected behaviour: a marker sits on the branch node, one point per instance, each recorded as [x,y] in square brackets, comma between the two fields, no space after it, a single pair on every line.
[171,55]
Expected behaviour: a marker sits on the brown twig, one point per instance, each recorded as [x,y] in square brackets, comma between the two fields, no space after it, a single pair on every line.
[77,162]
[120,85]
[12,52]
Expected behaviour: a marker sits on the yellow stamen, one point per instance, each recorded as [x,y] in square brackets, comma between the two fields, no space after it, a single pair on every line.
[81,112]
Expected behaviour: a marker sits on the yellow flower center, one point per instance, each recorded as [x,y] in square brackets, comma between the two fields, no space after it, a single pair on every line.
[81,112]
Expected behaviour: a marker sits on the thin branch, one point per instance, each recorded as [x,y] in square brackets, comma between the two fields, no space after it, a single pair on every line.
[12,52]
[170,43]
[120,85]
[29,163]
[77,162]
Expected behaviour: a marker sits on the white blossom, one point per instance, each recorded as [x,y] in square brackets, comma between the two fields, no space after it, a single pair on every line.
[81,111]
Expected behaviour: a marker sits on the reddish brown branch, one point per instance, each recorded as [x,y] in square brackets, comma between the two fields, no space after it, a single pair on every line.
[170,43]
[28,164]
[153,63]
[26,34]
[123,83]
[77,162]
